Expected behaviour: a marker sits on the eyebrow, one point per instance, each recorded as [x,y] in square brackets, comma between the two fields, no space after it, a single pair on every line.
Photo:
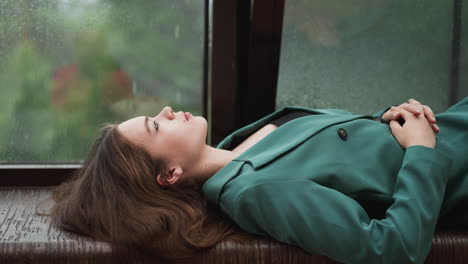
[146,124]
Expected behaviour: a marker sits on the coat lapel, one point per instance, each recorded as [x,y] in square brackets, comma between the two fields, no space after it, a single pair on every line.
[249,129]
[288,135]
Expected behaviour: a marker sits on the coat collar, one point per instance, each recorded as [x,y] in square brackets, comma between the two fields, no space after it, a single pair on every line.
[213,186]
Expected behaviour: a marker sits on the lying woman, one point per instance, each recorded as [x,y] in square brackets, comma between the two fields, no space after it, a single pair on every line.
[356,188]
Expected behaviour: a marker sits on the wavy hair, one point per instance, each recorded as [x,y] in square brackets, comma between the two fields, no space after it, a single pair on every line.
[115,198]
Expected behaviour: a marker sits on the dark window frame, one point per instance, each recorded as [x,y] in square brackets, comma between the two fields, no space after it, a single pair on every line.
[246,40]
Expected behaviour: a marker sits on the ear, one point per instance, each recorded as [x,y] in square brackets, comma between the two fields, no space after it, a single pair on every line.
[171,176]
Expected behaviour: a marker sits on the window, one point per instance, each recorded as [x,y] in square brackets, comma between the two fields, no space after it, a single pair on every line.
[462,19]
[364,55]
[67,67]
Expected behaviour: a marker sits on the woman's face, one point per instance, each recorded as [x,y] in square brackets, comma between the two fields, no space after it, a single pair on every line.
[177,138]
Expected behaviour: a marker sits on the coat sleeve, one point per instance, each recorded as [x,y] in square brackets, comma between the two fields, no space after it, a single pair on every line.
[324,221]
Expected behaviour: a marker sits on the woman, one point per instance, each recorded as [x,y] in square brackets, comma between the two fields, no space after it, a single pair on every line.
[351,187]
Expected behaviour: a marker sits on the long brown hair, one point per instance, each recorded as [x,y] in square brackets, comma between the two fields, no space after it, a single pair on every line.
[115,197]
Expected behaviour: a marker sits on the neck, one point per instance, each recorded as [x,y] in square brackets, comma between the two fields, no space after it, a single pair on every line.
[212,160]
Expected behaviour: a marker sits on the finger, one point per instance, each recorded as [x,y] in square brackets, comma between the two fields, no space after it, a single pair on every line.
[395,115]
[412,108]
[413,101]
[391,114]
[429,114]
[435,128]
[417,108]
[395,126]
[386,115]
[405,114]
[416,104]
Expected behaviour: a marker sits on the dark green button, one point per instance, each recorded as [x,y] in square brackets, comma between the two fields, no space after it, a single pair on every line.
[342,134]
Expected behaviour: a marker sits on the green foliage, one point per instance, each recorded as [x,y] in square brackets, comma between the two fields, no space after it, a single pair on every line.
[68,67]
[25,115]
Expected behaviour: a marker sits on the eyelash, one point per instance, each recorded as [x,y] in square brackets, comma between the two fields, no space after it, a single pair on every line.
[156,125]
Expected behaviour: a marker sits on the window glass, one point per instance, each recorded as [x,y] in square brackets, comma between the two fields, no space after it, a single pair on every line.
[69,66]
[367,54]
[463,63]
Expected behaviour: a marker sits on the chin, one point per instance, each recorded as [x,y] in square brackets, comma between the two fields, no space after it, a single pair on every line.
[199,123]
[204,125]
[202,120]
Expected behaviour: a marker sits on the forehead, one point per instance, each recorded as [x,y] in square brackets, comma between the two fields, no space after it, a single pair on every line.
[133,129]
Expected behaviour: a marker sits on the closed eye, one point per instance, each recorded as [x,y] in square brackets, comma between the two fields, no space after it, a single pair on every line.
[156,125]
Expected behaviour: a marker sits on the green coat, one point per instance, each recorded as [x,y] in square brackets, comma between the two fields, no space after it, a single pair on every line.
[356,197]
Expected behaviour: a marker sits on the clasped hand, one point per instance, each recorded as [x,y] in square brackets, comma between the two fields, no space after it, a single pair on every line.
[419,126]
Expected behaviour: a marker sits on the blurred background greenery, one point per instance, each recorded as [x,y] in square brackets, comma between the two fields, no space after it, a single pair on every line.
[69,66]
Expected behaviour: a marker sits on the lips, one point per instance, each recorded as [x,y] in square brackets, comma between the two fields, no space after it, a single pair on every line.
[187,115]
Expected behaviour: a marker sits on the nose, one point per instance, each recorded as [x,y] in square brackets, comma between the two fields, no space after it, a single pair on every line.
[167,112]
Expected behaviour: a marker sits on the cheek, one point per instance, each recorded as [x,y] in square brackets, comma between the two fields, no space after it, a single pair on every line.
[154,148]
[185,140]
[194,139]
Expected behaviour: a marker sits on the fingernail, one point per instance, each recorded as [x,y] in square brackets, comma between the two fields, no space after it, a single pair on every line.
[433,118]
[395,115]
